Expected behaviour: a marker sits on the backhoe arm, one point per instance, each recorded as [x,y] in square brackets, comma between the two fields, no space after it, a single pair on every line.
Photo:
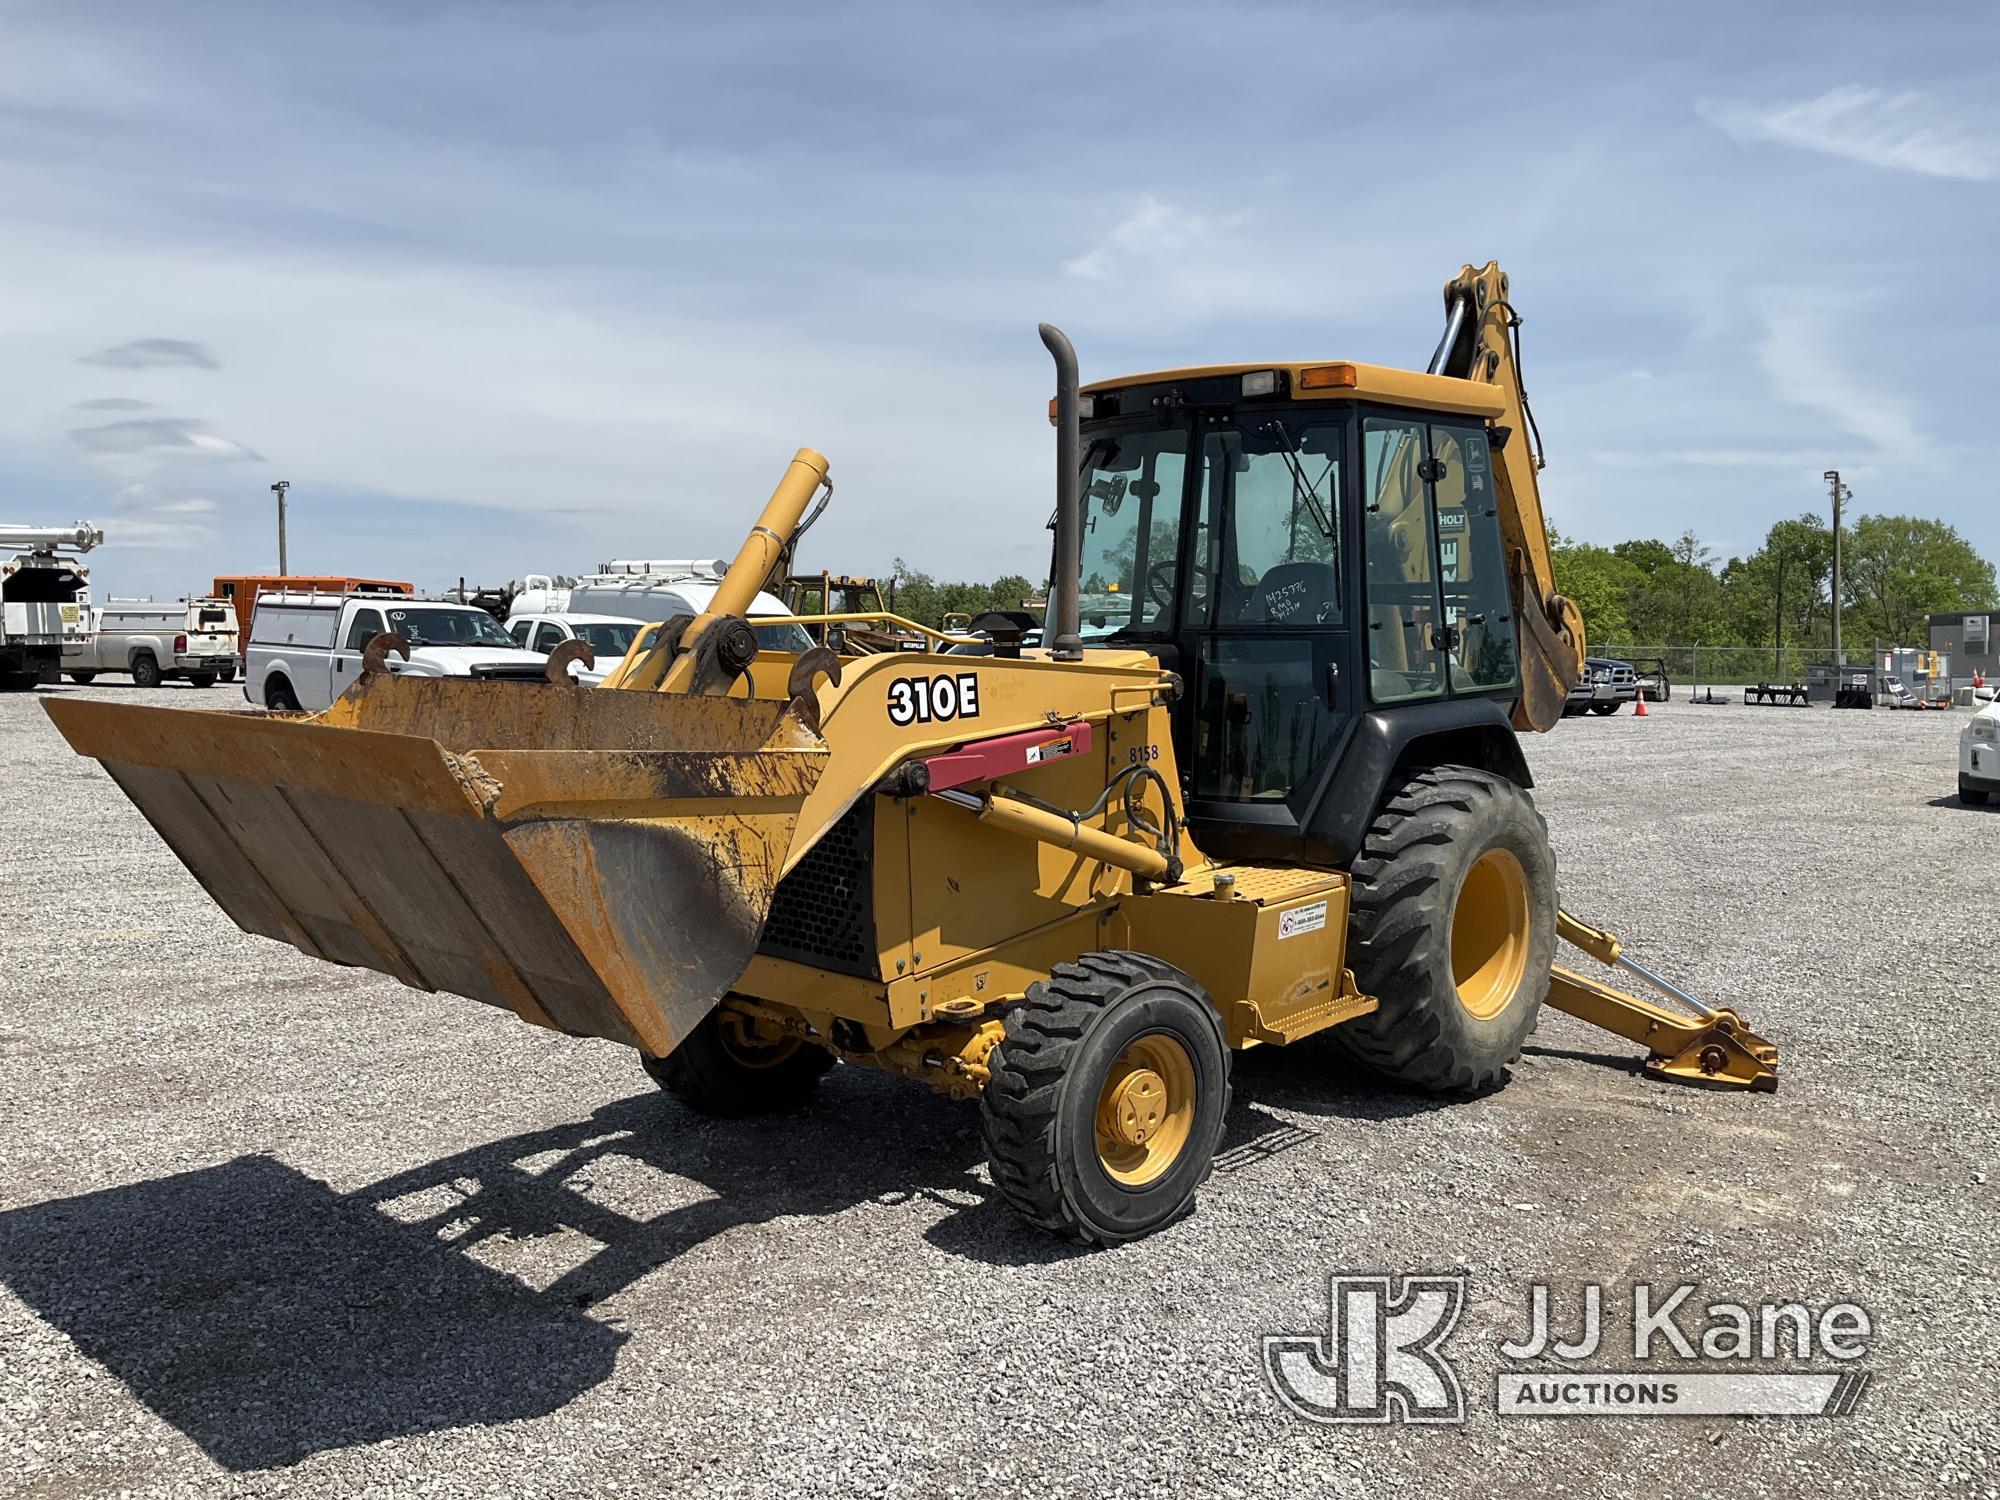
[1480,343]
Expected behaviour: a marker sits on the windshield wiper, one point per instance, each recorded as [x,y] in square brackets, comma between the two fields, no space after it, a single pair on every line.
[1301,490]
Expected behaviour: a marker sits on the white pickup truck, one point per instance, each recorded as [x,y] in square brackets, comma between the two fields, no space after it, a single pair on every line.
[188,639]
[305,648]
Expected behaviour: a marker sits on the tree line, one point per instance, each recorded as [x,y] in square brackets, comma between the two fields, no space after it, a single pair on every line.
[1895,571]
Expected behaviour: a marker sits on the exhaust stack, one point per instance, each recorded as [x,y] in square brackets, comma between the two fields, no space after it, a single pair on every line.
[1065,633]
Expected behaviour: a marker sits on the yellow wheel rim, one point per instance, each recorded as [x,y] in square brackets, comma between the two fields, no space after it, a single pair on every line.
[1145,1111]
[748,1049]
[1489,934]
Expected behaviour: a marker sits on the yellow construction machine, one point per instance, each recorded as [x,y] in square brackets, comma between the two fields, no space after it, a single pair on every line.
[1260,781]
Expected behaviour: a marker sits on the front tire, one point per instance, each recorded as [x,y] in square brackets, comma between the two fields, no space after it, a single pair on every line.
[1604,710]
[1973,796]
[1106,1098]
[725,1070]
[1452,930]
[146,672]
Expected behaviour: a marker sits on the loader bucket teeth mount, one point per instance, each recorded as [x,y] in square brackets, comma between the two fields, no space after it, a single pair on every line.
[597,862]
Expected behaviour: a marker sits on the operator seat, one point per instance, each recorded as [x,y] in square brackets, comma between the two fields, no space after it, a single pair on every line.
[1292,593]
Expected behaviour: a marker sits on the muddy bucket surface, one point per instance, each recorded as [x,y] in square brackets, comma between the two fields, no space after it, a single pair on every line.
[597,861]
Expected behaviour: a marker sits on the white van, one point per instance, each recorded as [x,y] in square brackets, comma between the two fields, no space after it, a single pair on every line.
[648,596]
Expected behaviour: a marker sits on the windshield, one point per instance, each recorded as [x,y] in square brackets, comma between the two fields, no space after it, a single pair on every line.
[1131,528]
[449,627]
[792,638]
[607,639]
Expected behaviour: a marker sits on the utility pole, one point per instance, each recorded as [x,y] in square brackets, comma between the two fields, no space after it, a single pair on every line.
[1778,666]
[1839,492]
[282,485]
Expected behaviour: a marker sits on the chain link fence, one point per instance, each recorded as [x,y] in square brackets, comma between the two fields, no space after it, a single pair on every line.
[1725,666]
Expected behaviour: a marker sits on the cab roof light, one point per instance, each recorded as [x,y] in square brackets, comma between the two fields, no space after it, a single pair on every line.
[1260,383]
[1328,377]
[1086,408]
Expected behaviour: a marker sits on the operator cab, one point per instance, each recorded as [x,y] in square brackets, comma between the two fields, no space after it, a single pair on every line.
[1316,550]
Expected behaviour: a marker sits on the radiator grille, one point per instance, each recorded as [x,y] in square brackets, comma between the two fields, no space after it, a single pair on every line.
[823,913]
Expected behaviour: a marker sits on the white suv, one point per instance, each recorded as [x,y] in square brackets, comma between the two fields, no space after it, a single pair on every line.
[1979,756]
[608,636]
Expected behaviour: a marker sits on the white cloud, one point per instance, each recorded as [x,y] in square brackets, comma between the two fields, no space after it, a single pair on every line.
[1153,234]
[1807,365]
[1908,132]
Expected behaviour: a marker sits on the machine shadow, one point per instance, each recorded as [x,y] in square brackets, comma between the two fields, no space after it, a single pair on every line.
[269,1318]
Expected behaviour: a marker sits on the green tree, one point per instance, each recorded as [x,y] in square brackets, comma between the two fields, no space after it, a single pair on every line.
[922,598]
[1647,556]
[1601,582]
[1895,570]
[1784,588]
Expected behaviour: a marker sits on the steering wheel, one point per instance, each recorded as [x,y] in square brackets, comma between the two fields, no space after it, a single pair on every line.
[1159,587]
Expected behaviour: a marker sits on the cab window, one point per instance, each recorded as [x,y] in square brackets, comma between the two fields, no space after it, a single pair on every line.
[1268,552]
[366,625]
[1131,529]
[1478,607]
[548,636]
[519,630]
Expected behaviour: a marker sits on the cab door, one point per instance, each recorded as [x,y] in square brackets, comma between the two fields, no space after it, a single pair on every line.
[365,625]
[1271,681]
[1440,612]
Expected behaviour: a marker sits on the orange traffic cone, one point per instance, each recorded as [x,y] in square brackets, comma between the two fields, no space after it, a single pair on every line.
[1639,705]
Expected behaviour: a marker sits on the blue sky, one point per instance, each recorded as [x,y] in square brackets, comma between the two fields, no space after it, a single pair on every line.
[512,288]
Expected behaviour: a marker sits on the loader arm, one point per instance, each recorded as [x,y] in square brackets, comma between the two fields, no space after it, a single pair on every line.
[1481,343]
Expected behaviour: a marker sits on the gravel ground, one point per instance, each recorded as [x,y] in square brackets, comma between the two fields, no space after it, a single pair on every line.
[267,1226]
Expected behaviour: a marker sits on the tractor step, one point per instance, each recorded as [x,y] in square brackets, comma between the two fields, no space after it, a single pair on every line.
[1292,1026]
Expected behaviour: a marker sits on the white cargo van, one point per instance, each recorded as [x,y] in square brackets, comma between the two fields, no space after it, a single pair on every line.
[646,597]
[305,648]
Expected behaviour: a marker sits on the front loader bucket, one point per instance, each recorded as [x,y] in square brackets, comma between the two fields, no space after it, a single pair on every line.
[597,861]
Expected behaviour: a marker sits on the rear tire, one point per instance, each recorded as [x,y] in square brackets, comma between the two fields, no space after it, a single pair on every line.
[1452,930]
[228,674]
[278,695]
[201,679]
[1105,1103]
[718,1071]
[82,679]
[146,672]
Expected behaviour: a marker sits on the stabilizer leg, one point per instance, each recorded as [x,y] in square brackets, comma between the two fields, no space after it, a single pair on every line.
[1702,1045]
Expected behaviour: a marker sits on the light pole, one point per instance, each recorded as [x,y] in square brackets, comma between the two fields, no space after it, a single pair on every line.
[282,485]
[1839,492]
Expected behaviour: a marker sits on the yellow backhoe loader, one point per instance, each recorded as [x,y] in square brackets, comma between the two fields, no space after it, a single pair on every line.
[1260,781]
